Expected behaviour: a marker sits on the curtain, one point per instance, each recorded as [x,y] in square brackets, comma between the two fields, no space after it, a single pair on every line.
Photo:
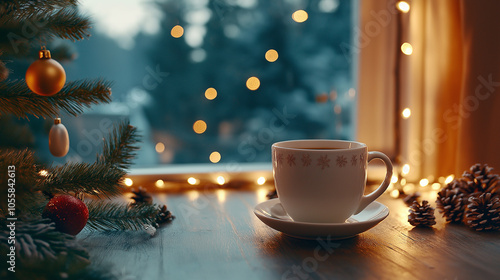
[450,83]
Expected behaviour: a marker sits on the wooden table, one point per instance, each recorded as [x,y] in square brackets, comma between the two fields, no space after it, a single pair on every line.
[217,236]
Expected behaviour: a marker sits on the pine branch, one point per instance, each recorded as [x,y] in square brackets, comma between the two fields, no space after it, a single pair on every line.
[43,23]
[95,179]
[118,216]
[7,6]
[119,149]
[40,248]
[23,179]
[17,99]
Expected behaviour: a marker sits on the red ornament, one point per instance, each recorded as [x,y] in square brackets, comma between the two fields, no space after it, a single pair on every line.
[69,213]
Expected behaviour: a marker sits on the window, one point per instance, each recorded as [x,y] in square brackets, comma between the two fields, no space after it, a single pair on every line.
[217,80]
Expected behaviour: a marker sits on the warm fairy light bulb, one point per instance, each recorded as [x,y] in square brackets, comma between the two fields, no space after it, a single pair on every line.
[159,184]
[394,179]
[160,147]
[261,181]
[128,182]
[424,182]
[406,169]
[403,6]
[177,31]
[300,16]
[215,157]
[253,83]
[403,182]
[271,55]
[210,93]
[192,181]
[449,179]
[43,172]
[394,193]
[407,48]
[436,186]
[221,180]
[409,188]
[406,113]
[199,126]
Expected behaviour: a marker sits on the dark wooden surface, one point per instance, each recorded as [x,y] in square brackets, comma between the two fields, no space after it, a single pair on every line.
[217,236]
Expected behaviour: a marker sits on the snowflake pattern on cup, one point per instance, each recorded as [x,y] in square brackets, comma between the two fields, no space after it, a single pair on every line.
[306,160]
[323,161]
[354,160]
[362,160]
[279,159]
[341,161]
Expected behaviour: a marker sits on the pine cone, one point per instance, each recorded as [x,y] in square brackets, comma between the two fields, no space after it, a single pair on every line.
[272,194]
[163,216]
[481,179]
[451,203]
[141,196]
[421,215]
[483,212]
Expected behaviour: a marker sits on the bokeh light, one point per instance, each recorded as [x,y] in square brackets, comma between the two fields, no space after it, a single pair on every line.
[261,181]
[253,83]
[160,147]
[271,55]
[300,16]
[406,113]
[406,169]
[199,126]
[128,182]
[159,184]
[210,93]
[193,181]
[177,31]
[424,182]
[403,6]
[215,157]
[407,48]
[221,180]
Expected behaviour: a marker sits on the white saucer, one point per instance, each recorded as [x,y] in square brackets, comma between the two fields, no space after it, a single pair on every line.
[272,214]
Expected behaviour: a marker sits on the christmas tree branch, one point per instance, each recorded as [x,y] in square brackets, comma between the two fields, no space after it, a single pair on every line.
[117,216]
[45,22]
[119,149]
[95,179]
[40,248]
[19,176]
[17,99]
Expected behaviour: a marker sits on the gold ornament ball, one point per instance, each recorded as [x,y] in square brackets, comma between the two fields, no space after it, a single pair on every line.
[45,76]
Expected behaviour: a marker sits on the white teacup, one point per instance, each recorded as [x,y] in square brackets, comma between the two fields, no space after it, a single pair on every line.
[323,181]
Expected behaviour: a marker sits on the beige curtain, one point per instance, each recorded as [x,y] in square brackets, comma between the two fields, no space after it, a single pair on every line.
[451,83]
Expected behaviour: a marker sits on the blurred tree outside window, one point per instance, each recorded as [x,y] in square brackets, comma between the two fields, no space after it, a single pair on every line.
[218,80]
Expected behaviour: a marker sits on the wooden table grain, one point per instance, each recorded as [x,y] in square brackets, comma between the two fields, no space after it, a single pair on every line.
[217,236]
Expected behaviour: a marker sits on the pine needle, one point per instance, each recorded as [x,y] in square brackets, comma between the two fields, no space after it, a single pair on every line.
[17,99]
[47,19]
[118,216]
[95,179]
[119,149]
[23,177]
[41,249]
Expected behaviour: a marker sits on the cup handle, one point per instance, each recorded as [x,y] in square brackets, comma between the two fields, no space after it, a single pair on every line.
[367,199]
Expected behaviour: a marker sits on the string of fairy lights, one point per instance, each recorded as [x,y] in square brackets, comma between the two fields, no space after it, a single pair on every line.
[399,182]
